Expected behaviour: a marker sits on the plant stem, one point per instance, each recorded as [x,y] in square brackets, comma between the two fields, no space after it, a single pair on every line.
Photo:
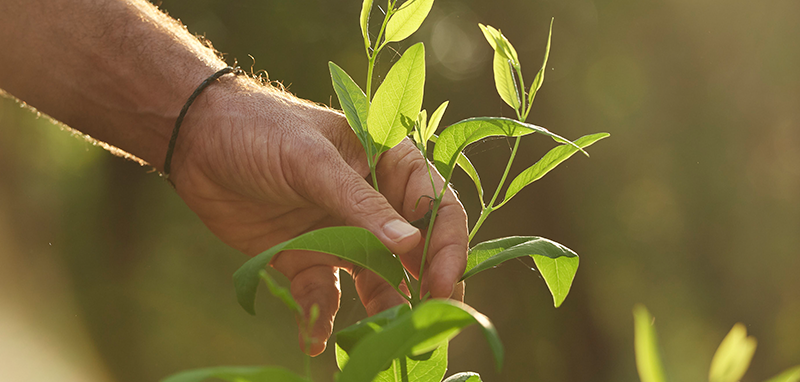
[436,203]
[307,363]
[491,207]
[374,178]
[484,214]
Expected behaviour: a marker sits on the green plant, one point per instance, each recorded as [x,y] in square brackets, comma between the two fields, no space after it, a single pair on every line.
[409,343]
[729,363]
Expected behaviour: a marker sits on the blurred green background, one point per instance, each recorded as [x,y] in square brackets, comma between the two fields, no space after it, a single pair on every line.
[692,207]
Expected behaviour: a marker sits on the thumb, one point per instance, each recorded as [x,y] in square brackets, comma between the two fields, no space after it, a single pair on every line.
[332,184]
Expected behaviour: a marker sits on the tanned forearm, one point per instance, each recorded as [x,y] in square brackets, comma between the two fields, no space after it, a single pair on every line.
[116,70]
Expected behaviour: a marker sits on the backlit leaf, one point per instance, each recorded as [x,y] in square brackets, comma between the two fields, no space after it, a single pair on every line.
[237,374]
[548,162]
[505,58]
[791,375]
[648,362]
[354,103]
[733,356]
[398,100]
[466,376]
[539,79]
[407,19]
[504,81]
[366,7]
[556,263]
[434,121]
[456,137]
[354,244]
[430,324]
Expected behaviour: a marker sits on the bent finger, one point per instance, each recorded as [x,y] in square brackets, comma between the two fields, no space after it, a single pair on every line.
[316,285]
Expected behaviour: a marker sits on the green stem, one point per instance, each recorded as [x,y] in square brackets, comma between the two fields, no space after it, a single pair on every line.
[491,207]
[484,214]
[522,117]
[372,57]
[374,178]
[307,363]
[436,203]
[403,369]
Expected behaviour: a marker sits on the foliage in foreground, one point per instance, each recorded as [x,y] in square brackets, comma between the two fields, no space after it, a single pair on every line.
[729,364]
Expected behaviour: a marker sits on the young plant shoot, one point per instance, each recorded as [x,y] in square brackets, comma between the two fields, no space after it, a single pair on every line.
[410,343]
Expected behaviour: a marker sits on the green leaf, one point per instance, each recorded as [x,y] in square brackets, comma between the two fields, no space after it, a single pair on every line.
[354,244]
[419,128]
[504,81]
[430,324]
[433,123]
[398,100]
[539,79]
[500,43]
[466,376]
[354,103]
[468,168]
[556,263]
[791,375]
[648,362]
[548,162]
[430,368]
[282,293]
[456,137]
[366,7]
[407,19]
[348,337]
[558,272]
[418,369]
[237,374]
[733,356]
[505,57]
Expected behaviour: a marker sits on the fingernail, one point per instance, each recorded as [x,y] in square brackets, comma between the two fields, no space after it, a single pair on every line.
[397,230]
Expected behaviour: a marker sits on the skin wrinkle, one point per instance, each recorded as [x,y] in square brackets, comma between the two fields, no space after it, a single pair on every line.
[233,165]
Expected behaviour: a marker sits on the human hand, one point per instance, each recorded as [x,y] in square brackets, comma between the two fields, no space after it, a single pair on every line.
[259,167]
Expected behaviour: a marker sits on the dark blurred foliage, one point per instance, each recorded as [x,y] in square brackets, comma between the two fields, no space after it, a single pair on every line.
[692,207]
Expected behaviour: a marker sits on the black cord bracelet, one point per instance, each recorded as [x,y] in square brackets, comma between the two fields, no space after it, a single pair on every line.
[176,130]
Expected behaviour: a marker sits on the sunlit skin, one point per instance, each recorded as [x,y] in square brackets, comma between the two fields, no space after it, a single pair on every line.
[257,165]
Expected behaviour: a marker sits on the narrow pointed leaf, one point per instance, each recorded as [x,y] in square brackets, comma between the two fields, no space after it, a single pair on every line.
[237,374]
[354,103]
[499,43]
[791,375]
[504,81]
[548,162]
[466,376]
[505,57]
[427,326]
[733,356]
[419,130]
[398,100]
[366,7]
[456,137]
[556,263]
[281,293]
[648,361]
[434,121]
[354,244]
[468,168]
[407,19]
[348,337]
[539,79]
